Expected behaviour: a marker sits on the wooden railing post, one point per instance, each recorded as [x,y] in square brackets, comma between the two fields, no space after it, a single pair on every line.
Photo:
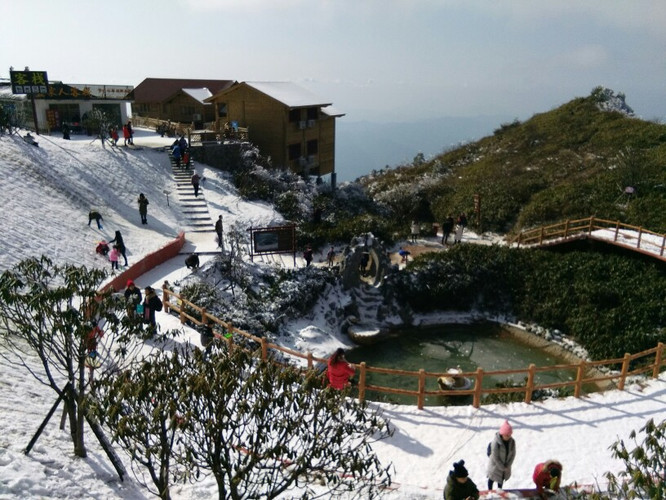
[421,397]
[477,388]
[657,360]
[640,234]
[204,316]
[181,315]
[230,343]
[617,230]
[566,228]
[590,225]
[580,375]
[623,373]
[361,382]
[310,361]
[264,349]
[529,387]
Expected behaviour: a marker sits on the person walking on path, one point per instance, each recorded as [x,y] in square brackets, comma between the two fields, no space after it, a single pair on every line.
[339,370]
[458,484]
[94,215]
[130,130]
[414,229]
[218,230]
[461,224]
[195,183]
[175,154]
[502,453]
[143,208]
[330,257]
[126,134]
[307,255]
[120,244]
[113,257]
[447,227]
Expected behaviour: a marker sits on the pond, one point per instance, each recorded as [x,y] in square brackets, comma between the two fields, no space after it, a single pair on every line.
[436,349]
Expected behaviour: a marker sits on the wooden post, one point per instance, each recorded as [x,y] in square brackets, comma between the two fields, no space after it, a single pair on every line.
[623,374]
[663,244]
[264,349]
[529,387]
[566,228]
[165,298]
[657,360]
[477,388]
[421,397]
[579,379]
[181,316]
[310,360]
[361,382]
[204,316]
[617,230]
[590,225]
[640,234]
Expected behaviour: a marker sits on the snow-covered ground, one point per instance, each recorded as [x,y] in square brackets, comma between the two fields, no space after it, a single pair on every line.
[45,196]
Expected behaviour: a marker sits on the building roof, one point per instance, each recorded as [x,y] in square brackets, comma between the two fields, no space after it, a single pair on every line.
[161,89]
[198,94]
[331,111]
[287,93]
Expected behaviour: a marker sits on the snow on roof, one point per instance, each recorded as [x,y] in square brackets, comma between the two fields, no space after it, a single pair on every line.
[288,93]
[199,94]
[331,111]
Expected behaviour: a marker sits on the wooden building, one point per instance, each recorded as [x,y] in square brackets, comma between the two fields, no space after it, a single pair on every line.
[178,100]
[287,122]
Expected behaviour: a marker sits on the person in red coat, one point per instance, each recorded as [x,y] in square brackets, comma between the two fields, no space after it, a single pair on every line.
[339,370]
[547,475]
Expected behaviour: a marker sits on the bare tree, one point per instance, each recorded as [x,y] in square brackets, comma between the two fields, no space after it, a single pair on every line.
[51,312]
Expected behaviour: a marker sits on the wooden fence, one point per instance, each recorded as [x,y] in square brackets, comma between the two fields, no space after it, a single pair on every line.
[649,361]
[647,242]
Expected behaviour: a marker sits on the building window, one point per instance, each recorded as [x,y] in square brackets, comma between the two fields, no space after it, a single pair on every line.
[294,115]
[295,151]
[222,110]
[312,147]
[313,113]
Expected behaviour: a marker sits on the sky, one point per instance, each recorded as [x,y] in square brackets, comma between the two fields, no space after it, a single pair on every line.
[44,203]
[376,60]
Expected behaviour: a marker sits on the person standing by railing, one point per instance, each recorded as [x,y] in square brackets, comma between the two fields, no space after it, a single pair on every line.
[339,370]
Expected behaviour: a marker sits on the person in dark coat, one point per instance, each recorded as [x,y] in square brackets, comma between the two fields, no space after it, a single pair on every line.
[458,484]
[218,230]
[130,130]
[132,297]
[307,255]
[195,183]
[151,304]
[143,208]
[94,215]
[447,227]
[65,131]
[502,454]
[175,154]
[118,240]
[192,262]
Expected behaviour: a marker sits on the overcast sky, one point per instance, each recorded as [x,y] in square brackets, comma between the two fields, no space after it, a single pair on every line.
[378,60]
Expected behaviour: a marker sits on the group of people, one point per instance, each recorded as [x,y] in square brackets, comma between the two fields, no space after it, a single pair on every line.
[448,226]
[145,310]
[501,453]
[113,252]
[180,152]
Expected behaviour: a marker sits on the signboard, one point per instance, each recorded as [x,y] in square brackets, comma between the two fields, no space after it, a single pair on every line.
[29,82]
[59,90]
[267,240]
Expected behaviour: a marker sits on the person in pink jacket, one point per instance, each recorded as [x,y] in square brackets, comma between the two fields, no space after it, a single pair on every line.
[114,254]
[339,370]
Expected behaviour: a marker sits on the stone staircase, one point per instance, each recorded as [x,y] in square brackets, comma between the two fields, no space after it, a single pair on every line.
[195,209]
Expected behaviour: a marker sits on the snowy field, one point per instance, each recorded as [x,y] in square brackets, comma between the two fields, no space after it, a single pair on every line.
[45,196]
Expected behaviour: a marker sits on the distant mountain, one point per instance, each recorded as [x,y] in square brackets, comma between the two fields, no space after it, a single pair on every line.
[365,146]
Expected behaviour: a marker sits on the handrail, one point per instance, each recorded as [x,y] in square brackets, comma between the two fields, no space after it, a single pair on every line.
[173,301]
[577,228]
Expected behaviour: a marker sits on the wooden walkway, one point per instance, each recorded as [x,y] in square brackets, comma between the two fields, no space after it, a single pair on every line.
[616,233]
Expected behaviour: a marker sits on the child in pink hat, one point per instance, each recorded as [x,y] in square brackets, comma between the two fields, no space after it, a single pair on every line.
[502,452]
